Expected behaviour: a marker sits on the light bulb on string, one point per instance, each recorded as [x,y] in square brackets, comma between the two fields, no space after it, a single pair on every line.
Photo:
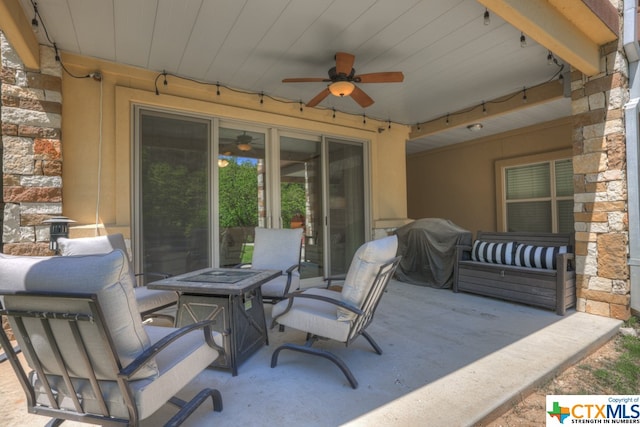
[523,40]
[487,17]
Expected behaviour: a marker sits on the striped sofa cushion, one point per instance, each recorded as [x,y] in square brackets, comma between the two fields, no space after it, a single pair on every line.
[538,256]
[496,253]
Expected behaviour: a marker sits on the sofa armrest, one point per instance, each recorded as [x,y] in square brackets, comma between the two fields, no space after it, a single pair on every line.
[463,252]
[563,265]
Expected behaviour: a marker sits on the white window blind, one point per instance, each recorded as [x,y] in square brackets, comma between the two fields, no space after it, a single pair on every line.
[539,197]
[528,182]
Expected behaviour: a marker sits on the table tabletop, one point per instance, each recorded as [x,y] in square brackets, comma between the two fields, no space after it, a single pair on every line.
[216,281]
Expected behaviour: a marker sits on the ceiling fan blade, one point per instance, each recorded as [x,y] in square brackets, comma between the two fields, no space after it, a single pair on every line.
[344,63]
[318,98]
[384,77]
[361,98]
[305,80]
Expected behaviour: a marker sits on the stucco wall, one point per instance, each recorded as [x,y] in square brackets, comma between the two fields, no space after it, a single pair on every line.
[97,128]
[458,183]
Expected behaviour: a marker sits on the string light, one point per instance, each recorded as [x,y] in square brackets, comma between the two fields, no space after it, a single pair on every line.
[218,88]
[334,112]
[364,119]
[389,124]
[261,97]
[523,40]
[447,120]
[550,58]
[484,108]
[301,109]
[524,95]
[34,21]
[487,17]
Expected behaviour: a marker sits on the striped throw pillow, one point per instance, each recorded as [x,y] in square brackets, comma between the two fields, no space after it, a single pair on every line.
[538,256]
[495,253]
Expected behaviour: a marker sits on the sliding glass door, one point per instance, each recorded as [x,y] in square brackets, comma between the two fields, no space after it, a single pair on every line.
[203,185]
[242,193]
[347,195]
[173,191]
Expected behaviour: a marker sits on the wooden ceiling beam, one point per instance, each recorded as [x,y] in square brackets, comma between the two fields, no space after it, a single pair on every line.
[570,29]
[540,94]
[17,28]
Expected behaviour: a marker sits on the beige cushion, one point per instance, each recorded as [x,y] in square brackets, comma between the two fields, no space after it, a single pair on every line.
[92,245]
[148,299]
[95,246]
[107,276]
[178,364]
[313,316]
[277,249]
[364,267]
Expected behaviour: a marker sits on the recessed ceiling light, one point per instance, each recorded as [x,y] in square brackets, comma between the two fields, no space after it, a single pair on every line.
[474,127]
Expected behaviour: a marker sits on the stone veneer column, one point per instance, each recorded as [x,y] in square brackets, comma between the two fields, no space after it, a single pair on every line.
[600,190]
[31,107]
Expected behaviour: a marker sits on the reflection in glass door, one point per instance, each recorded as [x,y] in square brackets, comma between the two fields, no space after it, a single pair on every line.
[301,198]
[346,194]
[173,191]
[242,193]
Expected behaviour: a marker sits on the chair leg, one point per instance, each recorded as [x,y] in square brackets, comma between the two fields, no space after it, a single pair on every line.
[317,352]
[54,422]
[375,345]
[189,407]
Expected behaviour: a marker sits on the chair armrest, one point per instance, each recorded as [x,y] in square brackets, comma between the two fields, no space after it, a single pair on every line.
[330,279]
[152,351]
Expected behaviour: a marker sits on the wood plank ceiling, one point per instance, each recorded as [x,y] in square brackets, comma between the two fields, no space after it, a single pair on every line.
[450,59]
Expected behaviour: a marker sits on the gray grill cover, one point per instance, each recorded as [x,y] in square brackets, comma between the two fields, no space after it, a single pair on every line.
[428,249]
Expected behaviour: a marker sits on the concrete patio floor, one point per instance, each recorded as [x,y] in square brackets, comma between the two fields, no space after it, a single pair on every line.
[449,360]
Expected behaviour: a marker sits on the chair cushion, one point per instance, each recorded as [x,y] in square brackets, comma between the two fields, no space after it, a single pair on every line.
[276,249]
[92,245]
[95,246]
[107,276]
[177,364]
[314,316]
[364,267]
[275,287]
[150,299]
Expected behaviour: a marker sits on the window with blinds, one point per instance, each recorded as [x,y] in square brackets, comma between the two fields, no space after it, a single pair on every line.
[539,197]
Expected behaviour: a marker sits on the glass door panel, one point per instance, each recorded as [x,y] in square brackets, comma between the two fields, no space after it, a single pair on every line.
[174,192]
[346,195]
[301,198]
[242,193]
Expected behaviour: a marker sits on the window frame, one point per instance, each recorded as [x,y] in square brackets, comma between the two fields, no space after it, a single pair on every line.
[500,176]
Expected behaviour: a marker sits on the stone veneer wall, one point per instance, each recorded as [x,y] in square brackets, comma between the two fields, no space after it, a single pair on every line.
[600,190]
[31,113]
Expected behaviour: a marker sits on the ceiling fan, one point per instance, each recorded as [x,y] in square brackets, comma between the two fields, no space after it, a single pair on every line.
[342,80]
[242,142]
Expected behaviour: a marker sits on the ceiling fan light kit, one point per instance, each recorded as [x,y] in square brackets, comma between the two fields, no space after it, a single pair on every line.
[342,80]
[341,88]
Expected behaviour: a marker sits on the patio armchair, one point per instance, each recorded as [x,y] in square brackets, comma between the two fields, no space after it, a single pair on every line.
[90,357]
[342,316]
[150,301]
[278,249]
